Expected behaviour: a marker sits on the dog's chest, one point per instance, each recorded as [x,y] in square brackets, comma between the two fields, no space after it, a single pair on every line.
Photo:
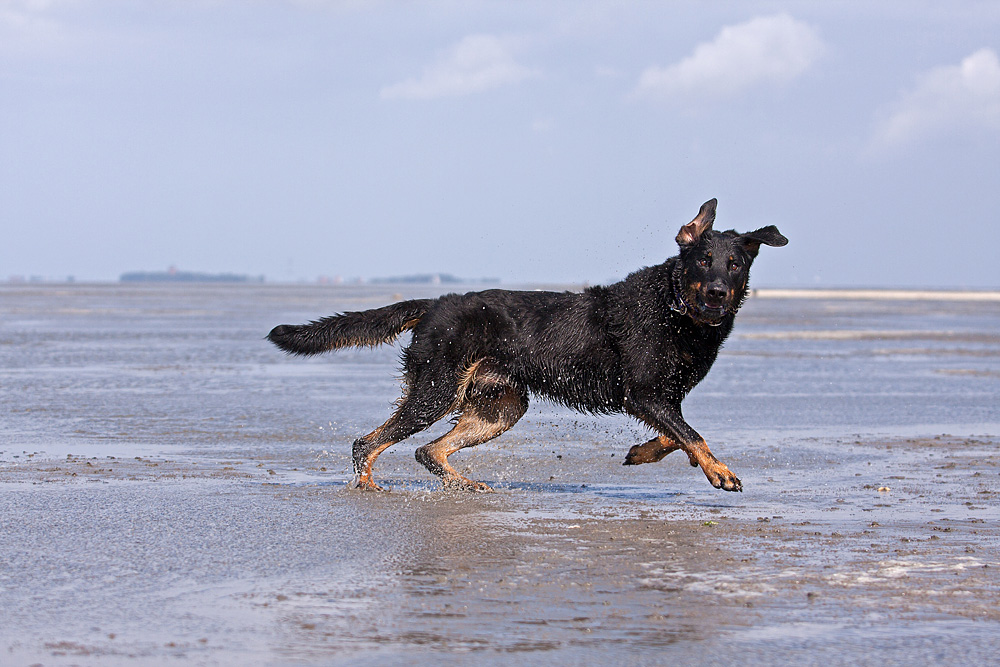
[685,354]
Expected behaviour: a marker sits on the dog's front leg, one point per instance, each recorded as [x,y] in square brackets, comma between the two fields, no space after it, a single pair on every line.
[673,429]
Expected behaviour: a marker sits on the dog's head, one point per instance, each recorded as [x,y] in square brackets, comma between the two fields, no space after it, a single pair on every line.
[715,266]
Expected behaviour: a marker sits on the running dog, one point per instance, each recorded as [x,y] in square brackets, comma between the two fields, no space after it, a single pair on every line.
[637,346]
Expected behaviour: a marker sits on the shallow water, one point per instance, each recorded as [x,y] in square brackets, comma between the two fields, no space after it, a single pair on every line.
[172,488]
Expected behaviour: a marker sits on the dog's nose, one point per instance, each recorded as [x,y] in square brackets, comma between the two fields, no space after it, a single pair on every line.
[716,293]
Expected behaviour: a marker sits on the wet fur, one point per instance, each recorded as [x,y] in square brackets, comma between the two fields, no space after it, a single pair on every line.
[637,346]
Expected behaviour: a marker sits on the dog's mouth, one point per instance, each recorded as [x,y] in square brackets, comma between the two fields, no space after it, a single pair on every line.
[711,314]
[711,310]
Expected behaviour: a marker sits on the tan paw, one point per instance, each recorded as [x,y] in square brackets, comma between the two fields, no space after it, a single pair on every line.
[460,483]
[366,483]
[721,477]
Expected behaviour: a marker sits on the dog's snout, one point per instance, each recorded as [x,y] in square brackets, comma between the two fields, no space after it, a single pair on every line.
[716,293]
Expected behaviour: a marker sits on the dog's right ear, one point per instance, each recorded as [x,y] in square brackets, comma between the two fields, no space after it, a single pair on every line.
[767,235]
[692,231]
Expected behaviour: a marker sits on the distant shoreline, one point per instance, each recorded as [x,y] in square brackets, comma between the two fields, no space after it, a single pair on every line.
[175,276]
[838,294]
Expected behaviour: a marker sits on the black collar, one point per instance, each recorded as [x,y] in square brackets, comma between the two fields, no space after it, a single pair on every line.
[678,303]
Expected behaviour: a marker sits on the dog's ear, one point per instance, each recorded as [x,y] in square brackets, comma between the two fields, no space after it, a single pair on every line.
[767,235]
[692,231]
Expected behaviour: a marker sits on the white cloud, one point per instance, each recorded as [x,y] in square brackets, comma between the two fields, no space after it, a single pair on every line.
[764,50]
[476,64]
[25,26]
[946,99]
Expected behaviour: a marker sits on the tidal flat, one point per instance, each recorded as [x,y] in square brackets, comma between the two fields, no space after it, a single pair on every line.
[174,490]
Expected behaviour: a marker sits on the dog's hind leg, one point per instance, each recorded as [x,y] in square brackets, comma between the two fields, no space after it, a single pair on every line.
[418,410]
[476,425]
[650,452]
[491,407]
[368,447]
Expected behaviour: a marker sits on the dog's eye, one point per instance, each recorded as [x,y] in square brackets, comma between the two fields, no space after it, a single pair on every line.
[703,262]
[734,266]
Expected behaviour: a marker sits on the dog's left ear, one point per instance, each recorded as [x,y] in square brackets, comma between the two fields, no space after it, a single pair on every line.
[692,231]
[767,235]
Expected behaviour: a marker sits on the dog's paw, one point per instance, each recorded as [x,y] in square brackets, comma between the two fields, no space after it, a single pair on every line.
[634,458]
[732,483]
[648,452]
[464,484]
[481,487]
[723,478]
[368,484]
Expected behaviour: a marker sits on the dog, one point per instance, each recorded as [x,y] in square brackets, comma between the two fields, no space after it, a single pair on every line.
[636,347]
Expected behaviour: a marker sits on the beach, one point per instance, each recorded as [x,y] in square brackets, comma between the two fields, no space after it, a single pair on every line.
[174,490]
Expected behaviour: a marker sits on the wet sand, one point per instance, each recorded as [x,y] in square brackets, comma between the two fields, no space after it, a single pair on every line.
[173,493]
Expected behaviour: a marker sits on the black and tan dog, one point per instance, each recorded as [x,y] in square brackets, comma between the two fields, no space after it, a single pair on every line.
[638,346]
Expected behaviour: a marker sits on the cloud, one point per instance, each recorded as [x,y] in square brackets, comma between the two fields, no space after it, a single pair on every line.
[764,50]
[946,99]
[476,64]
[24,26]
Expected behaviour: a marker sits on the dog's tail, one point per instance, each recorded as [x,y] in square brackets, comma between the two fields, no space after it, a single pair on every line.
[356,329]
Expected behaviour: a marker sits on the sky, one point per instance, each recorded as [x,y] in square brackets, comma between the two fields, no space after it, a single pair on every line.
[561,142]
